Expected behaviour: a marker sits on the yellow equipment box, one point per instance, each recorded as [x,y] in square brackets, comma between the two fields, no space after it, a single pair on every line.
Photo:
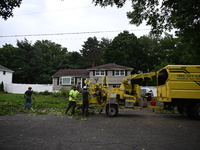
[178,81]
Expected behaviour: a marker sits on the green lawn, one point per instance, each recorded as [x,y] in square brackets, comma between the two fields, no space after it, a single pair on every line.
[51,103]
[41,104]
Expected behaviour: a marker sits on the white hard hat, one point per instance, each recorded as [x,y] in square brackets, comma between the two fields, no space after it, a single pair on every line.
[85,87]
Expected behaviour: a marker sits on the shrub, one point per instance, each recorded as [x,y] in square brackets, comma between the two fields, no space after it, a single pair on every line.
[2,87]
[64,92]
[56,94]
[46,93]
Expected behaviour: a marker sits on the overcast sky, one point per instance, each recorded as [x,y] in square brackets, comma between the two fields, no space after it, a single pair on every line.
[66,22]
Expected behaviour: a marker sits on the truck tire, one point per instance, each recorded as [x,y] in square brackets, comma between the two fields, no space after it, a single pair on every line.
[197,111]
[111,110]
[180,108]
[190,110]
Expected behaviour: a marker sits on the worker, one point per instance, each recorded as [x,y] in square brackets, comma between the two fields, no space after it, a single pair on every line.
[85,104]
[72,99]
[28,95]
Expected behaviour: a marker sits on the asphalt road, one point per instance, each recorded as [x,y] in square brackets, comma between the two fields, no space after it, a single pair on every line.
[130,130]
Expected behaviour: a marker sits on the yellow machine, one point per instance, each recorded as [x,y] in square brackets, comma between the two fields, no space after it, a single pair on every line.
[179,86]
[125,96]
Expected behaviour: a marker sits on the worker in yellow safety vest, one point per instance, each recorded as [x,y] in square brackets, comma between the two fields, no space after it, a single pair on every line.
[72,99]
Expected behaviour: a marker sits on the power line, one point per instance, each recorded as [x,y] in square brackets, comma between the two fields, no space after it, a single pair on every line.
[70,33]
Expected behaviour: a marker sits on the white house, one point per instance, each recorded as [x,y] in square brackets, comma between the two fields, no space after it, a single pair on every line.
[6,75]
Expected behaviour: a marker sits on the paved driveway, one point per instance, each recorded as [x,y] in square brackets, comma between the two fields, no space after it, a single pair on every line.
[130,130]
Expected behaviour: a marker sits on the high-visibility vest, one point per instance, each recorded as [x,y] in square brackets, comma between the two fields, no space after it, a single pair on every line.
[73,94]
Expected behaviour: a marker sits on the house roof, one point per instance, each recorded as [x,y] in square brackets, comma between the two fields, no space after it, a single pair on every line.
[71,72]
[110,66]
[2,68]
[85,72]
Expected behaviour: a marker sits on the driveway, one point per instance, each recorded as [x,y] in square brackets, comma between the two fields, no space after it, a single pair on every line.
[139,129]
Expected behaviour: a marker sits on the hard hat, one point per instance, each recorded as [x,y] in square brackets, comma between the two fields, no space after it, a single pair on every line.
[29,87]
[85,87]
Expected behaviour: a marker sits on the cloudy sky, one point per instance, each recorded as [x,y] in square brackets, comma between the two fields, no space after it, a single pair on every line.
[66,22]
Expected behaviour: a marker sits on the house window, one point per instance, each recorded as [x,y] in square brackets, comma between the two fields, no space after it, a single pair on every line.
[119,73]
[67,81]
[100,73]
[4,73]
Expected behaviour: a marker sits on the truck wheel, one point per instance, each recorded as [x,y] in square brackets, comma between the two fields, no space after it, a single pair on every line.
[180,108]
[190,111]
[197,111]
[111,110]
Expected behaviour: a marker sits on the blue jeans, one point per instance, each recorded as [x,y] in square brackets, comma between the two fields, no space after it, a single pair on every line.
[28,102]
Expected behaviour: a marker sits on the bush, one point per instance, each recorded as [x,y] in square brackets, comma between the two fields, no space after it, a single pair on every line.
[2,87]
[56,94]
[45,93]
[64,92]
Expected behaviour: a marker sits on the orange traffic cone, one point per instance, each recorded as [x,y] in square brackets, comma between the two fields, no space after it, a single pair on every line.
[152,102]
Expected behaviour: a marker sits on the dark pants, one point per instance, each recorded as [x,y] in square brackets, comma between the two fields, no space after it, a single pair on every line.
[85,107]
[28,102]
[73,105]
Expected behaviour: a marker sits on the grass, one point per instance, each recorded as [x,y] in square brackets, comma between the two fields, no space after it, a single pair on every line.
[51,103]
[11,104]
[43,103]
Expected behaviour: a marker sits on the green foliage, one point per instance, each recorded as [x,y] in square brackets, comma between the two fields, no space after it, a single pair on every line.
[2,87]
[91,52]
[103,3]
[180,15]
[10,103]
[45,93]
[64,92]
[7,6]
[36,63]
[41,104]
[126,48]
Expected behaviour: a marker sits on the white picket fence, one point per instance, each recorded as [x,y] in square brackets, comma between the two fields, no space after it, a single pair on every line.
[21,88]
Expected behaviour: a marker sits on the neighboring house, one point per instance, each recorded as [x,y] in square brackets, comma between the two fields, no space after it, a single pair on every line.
[65,78]
[6,75]
[115,73]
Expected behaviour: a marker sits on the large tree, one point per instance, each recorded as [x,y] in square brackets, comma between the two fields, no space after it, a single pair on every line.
[35,63]
[91,52]
[7,53]
[23,63]
[126,50]
[48,58]
[181,15]
[7,6]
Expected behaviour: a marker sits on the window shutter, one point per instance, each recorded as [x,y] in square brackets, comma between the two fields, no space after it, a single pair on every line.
[93,72]
[125,72]
[58,81]
[113,73]
[106,72]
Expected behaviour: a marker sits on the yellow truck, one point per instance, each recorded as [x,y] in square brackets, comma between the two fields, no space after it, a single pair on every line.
[179,86]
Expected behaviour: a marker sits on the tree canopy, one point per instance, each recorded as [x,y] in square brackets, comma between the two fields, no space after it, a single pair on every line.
[162,15]
[37,62]
[181,15]
[91,52]
[7,6]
